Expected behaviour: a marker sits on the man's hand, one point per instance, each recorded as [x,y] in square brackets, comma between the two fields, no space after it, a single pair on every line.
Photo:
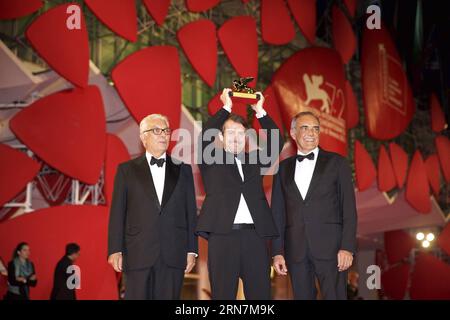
[33,277]
[225,98]
[279,265]
[190,262]
[345,259]
[115,260]
[21,279]
[258,106]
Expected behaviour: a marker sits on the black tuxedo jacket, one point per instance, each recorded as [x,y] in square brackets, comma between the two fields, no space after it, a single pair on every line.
[325,220]
[223,184]
[140,227]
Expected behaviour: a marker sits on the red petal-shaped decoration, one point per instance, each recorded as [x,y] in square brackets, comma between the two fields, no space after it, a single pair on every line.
[200,51]
[157,9]
[47,231]
[16,9]
[276,24]
[344,38]
[395,281]
[200,5]
[364,168]
[430,279]
[433,173]
[351,6]
[398,245]
[388,100]
[119,16]
[215,104]
[116,153]
[444,239]
[272,108]
[399,160]
[438,122]
[304,12]
[149,81]
[67,131]
[386,177]
[352,109]
[16,170]
[240,43]
[417,187]
[443,150]
[65,50]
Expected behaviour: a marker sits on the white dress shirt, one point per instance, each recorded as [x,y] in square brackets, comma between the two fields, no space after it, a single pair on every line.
[243,213]
[304,171]
[159,175]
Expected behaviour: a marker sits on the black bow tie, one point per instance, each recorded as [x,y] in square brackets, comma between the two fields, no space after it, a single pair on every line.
[158,162]
[309,156]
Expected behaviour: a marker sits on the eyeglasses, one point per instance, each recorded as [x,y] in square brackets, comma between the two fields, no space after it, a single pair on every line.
[304,129]
[159,131]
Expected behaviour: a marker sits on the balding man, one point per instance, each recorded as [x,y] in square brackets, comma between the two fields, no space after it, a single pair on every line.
[152,218]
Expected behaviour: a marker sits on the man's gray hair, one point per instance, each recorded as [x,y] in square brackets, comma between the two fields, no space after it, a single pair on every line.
[301,114]
[151,117]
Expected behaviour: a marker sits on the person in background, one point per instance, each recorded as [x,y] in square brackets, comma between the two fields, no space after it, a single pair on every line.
[21,274]
[61,290]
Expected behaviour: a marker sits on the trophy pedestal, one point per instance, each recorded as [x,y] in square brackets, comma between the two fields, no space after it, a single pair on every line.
[244,97]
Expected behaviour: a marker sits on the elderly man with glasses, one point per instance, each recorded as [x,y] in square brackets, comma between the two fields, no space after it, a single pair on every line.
[152,218]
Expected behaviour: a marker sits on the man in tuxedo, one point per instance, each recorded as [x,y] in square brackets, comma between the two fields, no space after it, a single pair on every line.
[235,216]
[152,218]
[61,290]
[313,204]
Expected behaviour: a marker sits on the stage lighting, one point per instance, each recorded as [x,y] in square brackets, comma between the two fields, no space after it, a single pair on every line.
[420,236]
[430,237]
[425,244]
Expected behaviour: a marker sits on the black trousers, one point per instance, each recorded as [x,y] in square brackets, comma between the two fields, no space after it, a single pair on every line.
[238,254]
[333,284]
[159,282]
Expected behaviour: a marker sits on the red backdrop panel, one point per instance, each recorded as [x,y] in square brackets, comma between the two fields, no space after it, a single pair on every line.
[444,239]
[433,173]
[119,16]
[16,170]
[304,12]
[116,153]
[313,79]
[65,50]
[430,279]
[443,149]
[149,81]
[276,24]
[365,171]
[240,43]
[386,176]
[417,187]
[199,42]
[387,96]
[16,9]
[399,160]
[200,5]
[395,280]
[47,231]
[344,39]
[157,9]
[67,131]
[398,244]
[352,109]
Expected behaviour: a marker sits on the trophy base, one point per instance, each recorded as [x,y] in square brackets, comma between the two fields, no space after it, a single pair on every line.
[244,97]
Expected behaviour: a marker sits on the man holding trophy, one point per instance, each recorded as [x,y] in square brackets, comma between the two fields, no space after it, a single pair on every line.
[235,216]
